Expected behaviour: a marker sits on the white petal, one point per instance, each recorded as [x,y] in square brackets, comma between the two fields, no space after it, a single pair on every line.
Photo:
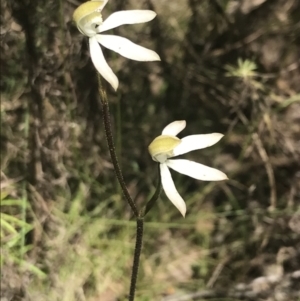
[101,64]
[127,48]
[126,17]
[194,142]
[174,128]
[170,189]
[196,170]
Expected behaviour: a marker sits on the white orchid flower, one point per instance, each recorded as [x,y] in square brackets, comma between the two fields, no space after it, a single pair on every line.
[168,145]
[89,21]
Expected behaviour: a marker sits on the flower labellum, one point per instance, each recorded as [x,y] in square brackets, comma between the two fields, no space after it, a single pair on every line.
[168,145]
[89,22]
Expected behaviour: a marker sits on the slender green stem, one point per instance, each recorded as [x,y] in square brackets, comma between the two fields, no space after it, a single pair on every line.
[139,216]
[155,196]
[136,259]
[112,149]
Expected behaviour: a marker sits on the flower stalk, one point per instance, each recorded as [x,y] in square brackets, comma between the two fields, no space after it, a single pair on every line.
[163,148]
[88,19]
[138,215]
[111,147]
[155,196]
[136,258]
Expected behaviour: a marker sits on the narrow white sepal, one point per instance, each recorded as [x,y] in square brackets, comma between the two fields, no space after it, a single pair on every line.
[196,170]
[126,17]
[170,189]
[101,64]
[174,128]
[194,142]
[126,48]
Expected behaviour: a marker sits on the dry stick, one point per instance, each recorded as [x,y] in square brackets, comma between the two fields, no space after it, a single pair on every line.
[264,156]
[112,150]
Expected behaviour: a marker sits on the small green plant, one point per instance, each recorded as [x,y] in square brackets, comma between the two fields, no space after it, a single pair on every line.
[13,230]
[244,69]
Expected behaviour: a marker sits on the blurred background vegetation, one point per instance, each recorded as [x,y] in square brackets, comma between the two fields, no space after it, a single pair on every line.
[227,66]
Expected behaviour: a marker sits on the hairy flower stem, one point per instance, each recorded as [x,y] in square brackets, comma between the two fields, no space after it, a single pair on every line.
[139,216]
[136,259]
[156,194]
[112,149]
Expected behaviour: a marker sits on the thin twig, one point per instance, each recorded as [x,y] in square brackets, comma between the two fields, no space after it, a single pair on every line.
[265,158]
[217,272]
